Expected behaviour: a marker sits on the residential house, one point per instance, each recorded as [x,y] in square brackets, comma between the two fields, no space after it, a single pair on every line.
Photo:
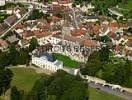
[90,18]
[62,2]
[3,45]
[11,20]
[12,39]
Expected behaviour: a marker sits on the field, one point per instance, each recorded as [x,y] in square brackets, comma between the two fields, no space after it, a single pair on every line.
[100,95]
[1,98]
[66,60]
[24,78]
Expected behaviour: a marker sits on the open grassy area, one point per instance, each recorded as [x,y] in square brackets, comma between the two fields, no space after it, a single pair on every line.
[100,95]
[24,78]
[66,60]
[1,98]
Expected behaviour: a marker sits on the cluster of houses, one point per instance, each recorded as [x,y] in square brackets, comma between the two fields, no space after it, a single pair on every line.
[69,36]
[14,14]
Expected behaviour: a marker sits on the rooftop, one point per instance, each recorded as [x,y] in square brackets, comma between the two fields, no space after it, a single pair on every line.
[2,42]
[46,56]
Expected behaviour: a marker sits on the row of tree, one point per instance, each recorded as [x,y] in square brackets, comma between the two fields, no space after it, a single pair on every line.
[17,57]
[14,57]
[36,14]
[112,69]
[59,86]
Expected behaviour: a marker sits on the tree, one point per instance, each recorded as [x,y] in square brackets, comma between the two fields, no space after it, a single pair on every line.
[36,14]
[105,39]
[24,57]
[104,54]
[123,73]
[93,65]
[15,94]
[3,60]
[91,69]
[109,71]
[55,87]
[13,55]
[33,44]
[39,90]
[75,93]
[103,5]
[5,79]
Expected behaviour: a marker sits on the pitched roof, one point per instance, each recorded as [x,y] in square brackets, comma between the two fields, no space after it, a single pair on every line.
[78,32]
[41,34]
[11,20]
[62,1]
[19,26]
[90,43]
[71,38]
[1,29]
[27,34]
[2,42]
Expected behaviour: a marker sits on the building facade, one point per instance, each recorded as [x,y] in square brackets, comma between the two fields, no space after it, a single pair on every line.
[46,61]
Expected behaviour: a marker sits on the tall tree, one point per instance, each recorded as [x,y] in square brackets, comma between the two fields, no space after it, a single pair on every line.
[5,79]
[33,44]
[13,55]
[104,54]
[55,87]
[15,94]
[123,73]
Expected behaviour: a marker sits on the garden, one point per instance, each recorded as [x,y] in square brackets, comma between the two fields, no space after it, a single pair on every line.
[67,62]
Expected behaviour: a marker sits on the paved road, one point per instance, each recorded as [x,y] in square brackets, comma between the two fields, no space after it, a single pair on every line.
[125,95]
[32,5]
[108,89]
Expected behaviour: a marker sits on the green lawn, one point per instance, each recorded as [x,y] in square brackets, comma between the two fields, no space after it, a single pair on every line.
[1,98]
[100,95]
[67,62]
[24,78]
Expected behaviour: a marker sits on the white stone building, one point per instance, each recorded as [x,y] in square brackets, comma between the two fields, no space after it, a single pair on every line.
[46,61]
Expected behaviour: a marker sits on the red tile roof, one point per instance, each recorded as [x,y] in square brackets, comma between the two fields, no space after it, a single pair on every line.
[2,42]
[19,26]
[78,32]
[71,38]
[62,1]
[42,34]
[90,43]
[55,18]
[36,33]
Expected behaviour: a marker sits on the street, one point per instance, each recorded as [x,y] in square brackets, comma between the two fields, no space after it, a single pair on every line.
[109,90]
